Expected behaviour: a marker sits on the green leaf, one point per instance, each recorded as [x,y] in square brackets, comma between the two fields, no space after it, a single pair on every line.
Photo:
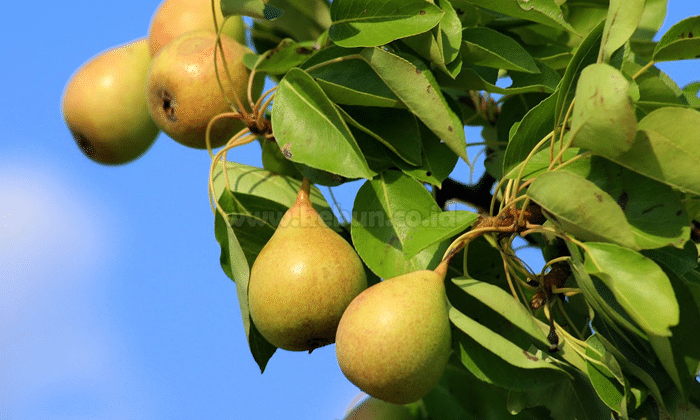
[418,90]
[437,160]
[490,48]
[369,24]
[639,285]
[579,207]
[239,272]
[347,79]
[497,360]
[621,22]
[667,148]
[385,210]
[585,55]
[310,130]
[396,129]
[441,44]
[286,55]
[603,119]
[536,124]
[439,227]
[680,42]
[566,399]
[546,12]
[679,261]
[253,8]
[654,210]
[503,304]
[605,374]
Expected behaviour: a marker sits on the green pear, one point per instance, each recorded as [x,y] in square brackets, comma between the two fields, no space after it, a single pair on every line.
[183,91]
[177,17]
[394,339]
[374,409]
[105,107]
[303,279]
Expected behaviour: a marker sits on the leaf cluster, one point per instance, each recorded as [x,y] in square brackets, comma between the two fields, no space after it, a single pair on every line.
[588,132]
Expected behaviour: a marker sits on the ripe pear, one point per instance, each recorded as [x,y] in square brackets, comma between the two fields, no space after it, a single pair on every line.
[303,279]
[394,339]
[104,105]
[177,17]
[374,409]
[184,94]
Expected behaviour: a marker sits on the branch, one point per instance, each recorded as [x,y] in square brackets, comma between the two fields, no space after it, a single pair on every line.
[477,195]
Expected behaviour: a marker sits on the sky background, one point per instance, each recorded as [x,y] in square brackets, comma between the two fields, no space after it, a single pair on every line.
[112,301]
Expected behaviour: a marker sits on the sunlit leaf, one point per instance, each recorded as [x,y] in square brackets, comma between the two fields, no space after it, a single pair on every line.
[639,285]
[580,208]
[621,22]
[490,48]
[309,129]
[603,119]
[359,23]
[680,42]
[385,210]
[440,227]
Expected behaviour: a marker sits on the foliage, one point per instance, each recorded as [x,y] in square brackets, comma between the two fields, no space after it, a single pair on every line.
[589,134]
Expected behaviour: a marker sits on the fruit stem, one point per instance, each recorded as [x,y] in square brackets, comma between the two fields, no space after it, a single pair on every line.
[304,192]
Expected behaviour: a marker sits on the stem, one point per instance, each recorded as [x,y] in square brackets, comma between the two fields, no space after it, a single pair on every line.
[210,124]
[643,69]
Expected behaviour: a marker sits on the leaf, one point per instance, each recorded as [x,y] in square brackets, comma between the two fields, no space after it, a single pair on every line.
[546,12]
[253,8]
[621,22]
[239,272]
[487,47]
[579,207]
[439,227]
[654,210]
[347,79]
[667,148]
[437,160]
[680,42]
[286,55]
[566,399]
[308,127]
[536,124]
[585,55]
[418,90]
[603,119]
[494,359]
[503,304]
[441,44]
[386,208]
[396,129]
[679,261]
[605,375]
[639,285]
[369,24]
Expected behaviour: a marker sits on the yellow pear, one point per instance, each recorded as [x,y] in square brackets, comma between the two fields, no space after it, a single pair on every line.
[374,409]
[303,279]
[177,17]
[394,339]
[104,105]
[184,94]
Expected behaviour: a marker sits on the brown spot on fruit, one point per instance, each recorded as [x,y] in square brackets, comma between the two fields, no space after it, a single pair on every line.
[167,105]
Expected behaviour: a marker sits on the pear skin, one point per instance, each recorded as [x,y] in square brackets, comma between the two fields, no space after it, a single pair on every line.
[183,91]
[177,17]
[372,408]
[302,280]
[394,339]
[105,107]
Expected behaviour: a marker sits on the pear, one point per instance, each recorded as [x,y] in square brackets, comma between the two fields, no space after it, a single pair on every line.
[303,279]
[184,94]
[394,339]
[177,17]
[374,409]
[104,105]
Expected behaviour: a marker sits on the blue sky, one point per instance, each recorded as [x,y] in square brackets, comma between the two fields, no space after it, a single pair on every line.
[112,301]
